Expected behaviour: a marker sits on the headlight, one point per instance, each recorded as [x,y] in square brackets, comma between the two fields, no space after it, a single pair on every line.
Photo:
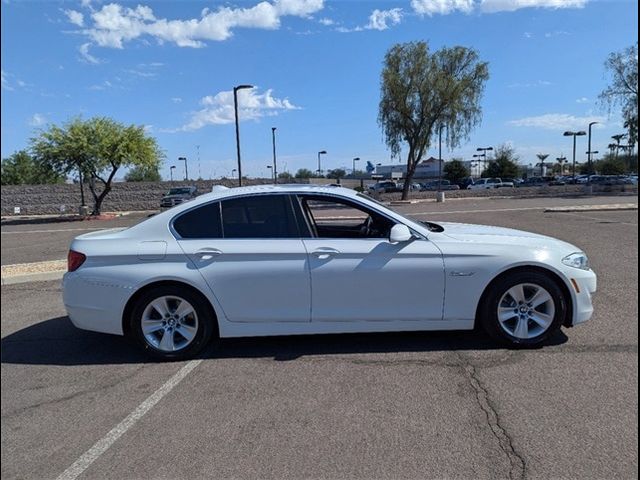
[577,260]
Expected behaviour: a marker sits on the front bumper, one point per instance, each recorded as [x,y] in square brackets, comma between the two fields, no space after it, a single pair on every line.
[583,285]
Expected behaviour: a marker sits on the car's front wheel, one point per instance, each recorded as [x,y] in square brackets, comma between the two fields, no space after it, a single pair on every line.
[523,309]
[172,322]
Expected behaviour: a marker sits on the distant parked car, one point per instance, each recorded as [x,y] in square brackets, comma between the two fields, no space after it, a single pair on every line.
[415,187]
[559,181]
[507,182]
[383,187]
[178,195]
[485,184]
[433,185]
[464,183]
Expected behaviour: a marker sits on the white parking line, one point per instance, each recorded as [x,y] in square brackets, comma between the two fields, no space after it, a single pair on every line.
[22,232]
[102,445]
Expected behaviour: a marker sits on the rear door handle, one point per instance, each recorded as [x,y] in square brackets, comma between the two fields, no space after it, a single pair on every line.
[208,253]
[325,252]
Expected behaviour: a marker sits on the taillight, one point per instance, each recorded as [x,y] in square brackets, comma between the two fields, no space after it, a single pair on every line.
[74,260]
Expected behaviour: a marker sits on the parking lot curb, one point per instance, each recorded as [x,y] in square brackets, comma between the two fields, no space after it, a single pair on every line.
[32,277]
[593,208]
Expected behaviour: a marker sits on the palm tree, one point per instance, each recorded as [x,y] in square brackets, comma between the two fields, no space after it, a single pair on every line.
[617,138]
[542,157]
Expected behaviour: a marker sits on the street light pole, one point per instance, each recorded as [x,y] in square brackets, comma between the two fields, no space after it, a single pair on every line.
[353,170]
[186,170]
[484,151]
[589,152]
[569,133]
[321,152]
[270,167]
[235,109]
[171,168]
[273,140]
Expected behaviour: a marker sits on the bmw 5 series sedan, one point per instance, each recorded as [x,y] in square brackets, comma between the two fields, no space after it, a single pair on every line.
[301,259]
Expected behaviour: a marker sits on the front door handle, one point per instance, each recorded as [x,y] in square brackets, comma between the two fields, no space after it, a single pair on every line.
[208,253]
[325,252]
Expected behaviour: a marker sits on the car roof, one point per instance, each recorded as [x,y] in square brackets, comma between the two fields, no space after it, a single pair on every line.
[288,188]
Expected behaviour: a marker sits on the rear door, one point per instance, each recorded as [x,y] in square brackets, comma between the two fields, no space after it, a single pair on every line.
[249,251]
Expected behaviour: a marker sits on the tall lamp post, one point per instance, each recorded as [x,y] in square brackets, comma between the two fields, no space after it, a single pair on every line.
[569,133]
[235,109]
[484,151]
[589,153]
[353,170]
[171,169]
[270,167]
[321,152]
[186,170]
[273,141]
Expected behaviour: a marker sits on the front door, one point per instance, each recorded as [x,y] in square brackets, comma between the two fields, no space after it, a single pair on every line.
[358,275]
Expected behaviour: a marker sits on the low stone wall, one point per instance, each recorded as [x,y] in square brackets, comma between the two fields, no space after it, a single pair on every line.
[127,196]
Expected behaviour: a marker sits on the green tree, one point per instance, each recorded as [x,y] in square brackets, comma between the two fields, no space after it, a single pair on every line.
[20,168]
[336,173]
[611,166]
[143,174]
[304,173]
[623,89]
[285,176]
[455,170]
[97,148]
[504,163]
[423,92]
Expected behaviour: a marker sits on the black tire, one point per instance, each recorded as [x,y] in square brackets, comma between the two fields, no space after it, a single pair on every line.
[489,309]
[206,322]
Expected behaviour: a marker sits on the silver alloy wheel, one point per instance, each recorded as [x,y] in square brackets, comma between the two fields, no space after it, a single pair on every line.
[169,323]
[526,311]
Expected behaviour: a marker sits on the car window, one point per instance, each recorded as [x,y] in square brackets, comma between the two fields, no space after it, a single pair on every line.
[338,218]
[200,222]
[259,216]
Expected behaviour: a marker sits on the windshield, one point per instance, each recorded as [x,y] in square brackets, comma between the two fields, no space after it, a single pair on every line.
[179,191]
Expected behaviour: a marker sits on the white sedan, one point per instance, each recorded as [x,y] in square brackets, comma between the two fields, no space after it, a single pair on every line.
[286,260]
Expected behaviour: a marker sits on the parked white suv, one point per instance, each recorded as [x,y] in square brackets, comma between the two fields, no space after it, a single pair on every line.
[485,184]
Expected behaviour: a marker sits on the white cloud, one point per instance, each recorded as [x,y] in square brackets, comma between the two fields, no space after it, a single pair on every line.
[491,6]
[383,19]
[176,100]
[101,86]
[6,85]
[582,100]
[441,7]
[75,17]
[219,110]
[537,83]
[37,120]
[556,33]
[327,22]
[557,121]
[527,35]
[113,25]
[85,56]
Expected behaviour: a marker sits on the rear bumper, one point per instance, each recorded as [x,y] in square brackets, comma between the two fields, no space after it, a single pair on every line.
[93,303]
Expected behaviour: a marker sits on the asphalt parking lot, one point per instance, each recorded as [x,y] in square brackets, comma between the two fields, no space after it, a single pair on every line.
[78,404]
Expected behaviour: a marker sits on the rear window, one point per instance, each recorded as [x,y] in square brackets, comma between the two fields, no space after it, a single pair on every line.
[261,216]
[201,222]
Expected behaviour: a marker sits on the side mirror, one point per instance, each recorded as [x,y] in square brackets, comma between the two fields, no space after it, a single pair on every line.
[400,233]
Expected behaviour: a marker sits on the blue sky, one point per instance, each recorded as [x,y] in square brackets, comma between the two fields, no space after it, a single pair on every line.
[171,65]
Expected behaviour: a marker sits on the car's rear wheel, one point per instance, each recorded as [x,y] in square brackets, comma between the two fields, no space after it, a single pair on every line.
[523,309]
[172,322]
